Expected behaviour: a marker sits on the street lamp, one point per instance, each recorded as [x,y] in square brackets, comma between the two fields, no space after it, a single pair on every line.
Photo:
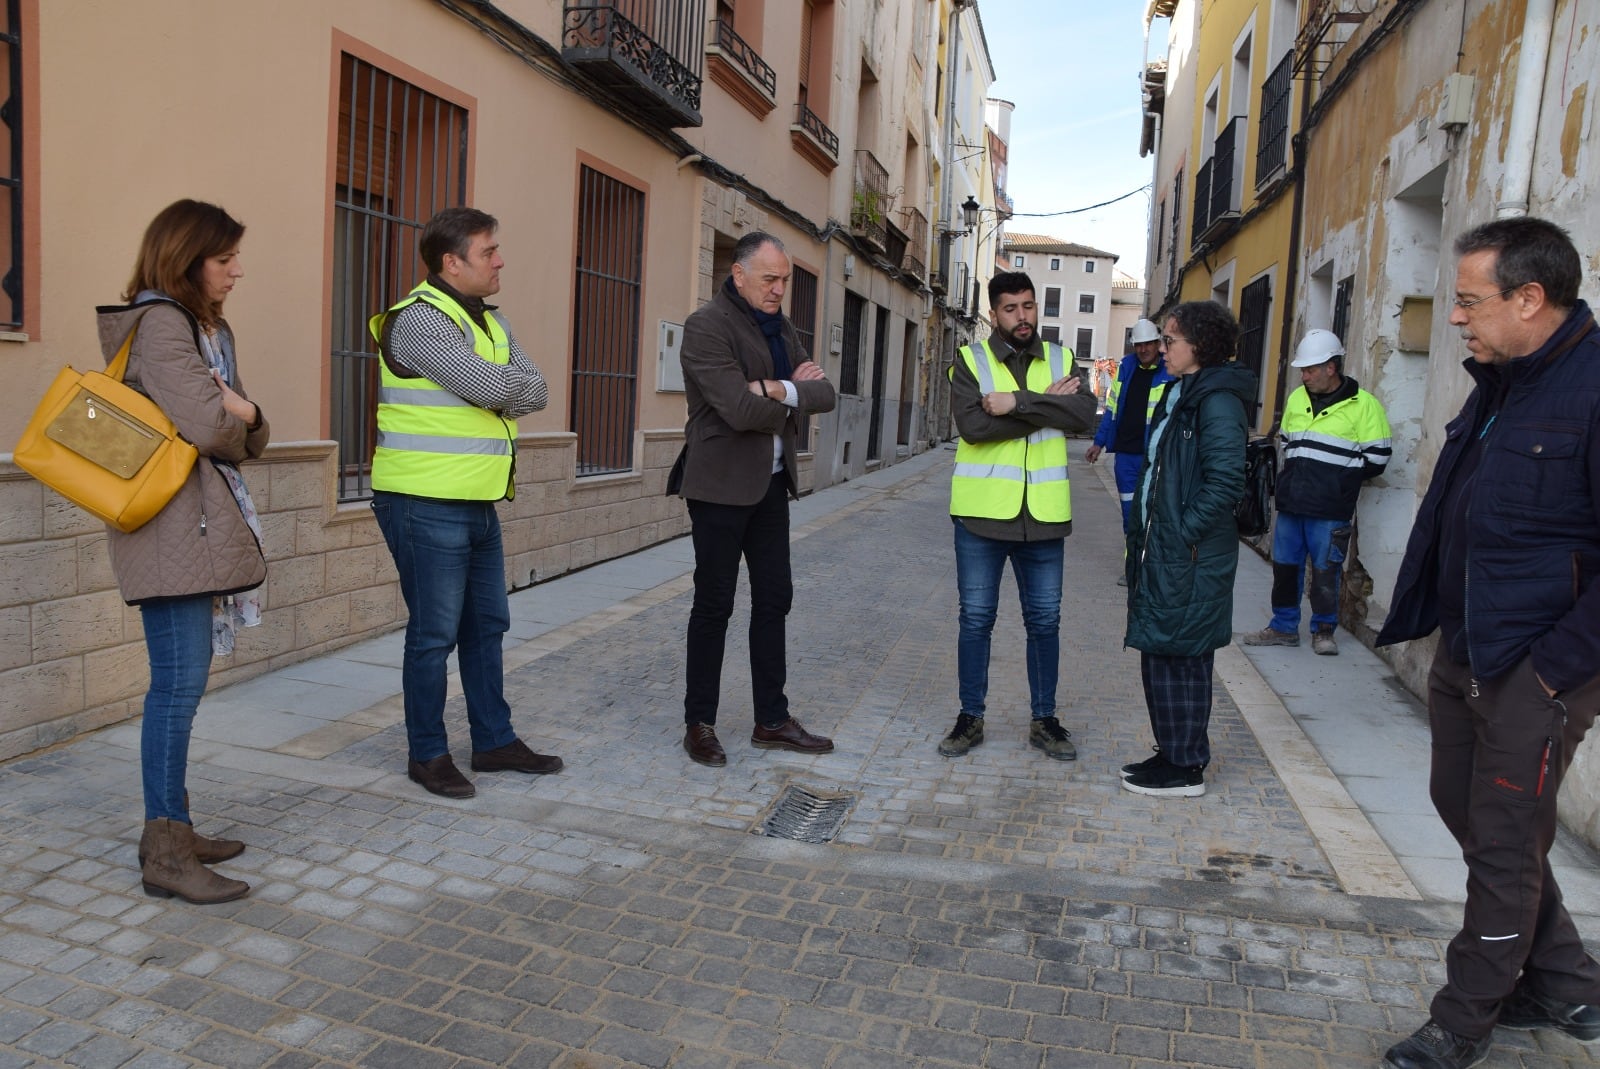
[970,211]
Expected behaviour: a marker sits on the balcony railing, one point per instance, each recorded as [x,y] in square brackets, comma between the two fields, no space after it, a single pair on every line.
[643,52]
[739,69]
[1272,138]
[1216,184]
[870,204]
[915,223]
[812,137]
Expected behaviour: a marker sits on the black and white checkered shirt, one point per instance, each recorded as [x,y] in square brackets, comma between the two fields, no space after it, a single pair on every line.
[427,341]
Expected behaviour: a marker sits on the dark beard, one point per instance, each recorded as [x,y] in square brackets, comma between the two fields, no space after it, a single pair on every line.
[1017,344]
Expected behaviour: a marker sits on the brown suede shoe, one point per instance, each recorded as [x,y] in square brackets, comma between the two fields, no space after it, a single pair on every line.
[789,735]
[700,742]
[441,776]
[515,756]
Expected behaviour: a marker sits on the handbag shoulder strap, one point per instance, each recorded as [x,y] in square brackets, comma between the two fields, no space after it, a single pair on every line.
[119,364]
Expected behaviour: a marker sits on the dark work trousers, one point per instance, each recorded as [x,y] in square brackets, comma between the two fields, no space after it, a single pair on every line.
[1500,750]
[722,534]
[1177,691]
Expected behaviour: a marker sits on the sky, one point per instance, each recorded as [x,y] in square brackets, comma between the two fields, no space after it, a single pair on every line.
[1071,67]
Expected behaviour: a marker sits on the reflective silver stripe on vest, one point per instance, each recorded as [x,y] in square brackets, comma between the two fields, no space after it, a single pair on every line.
[435,443]
[401,395]
[1047,475]
[1056,356]
[989,471]
[983,367]
[1045,434]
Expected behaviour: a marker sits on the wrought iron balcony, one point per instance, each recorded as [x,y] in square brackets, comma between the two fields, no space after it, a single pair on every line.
[1216,185]
[915,262]
[811,136]
[645,53]
[870,204]
[1202,202]
[1272,137]
[739,69]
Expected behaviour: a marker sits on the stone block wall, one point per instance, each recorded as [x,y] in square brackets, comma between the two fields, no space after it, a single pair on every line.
[72,655]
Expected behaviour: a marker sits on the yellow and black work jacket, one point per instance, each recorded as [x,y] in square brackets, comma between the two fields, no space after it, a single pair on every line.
[994,479]
[432,443]
[1329,448]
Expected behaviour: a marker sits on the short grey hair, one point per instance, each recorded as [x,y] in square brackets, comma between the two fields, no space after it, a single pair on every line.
[745,249]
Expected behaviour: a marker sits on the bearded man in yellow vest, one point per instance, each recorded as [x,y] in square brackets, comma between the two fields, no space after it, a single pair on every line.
[452,383]
[1014,397]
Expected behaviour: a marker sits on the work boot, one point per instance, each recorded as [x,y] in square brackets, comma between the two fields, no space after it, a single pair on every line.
[1526,1010]
[967,733]
[1322,642]
[1047,734]
[1269,636]
[1435,1047]
[170,867]
[207,851]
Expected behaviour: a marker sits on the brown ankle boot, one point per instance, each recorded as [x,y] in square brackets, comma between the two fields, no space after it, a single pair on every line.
[208,851]
[170,867]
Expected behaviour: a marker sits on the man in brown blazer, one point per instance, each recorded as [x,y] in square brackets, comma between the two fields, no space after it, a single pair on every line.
[748,383]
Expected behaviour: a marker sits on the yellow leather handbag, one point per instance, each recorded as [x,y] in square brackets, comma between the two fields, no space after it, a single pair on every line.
[105,446]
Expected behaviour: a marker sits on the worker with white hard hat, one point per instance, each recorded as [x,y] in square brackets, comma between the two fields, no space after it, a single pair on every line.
[1140,381]
[1335,437]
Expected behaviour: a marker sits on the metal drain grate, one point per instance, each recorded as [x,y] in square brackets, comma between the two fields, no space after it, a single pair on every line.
[805,817]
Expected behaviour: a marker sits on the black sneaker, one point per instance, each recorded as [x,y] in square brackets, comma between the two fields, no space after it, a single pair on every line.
[1526,1009]
[967,733]
[1167,780]
[1146,765]
[1435,1047]
[1047,734]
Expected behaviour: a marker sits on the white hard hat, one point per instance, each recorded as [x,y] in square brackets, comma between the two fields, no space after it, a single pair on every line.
[1144,330]
[1317,347]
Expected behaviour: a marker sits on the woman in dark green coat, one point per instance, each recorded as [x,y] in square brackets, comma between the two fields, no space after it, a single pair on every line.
[1183,546]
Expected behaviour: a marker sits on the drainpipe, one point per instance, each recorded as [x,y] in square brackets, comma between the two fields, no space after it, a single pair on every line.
[1532,57]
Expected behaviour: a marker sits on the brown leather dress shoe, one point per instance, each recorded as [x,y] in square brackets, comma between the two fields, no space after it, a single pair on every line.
[789,735]
[700,742]
[441,776]
[515,756]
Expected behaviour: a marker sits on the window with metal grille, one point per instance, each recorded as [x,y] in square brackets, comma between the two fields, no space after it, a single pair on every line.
[855,310]
[1341,305]
[605,317]
[11,177]
[1052,301]
[1175,232]
[1255,306]
[803,314]
[1086,303]
[402,157]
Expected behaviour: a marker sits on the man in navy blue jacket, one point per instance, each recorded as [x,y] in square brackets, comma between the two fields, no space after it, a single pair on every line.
[1503,561]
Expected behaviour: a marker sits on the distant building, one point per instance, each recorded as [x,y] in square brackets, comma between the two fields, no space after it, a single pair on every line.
[1073,284]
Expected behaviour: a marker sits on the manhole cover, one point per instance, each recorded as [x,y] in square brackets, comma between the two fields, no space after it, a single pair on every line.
[805,816]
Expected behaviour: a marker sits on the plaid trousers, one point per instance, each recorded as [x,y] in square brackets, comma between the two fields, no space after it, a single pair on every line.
[1177,691]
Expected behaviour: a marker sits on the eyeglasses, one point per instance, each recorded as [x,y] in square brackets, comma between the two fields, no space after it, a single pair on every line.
[1168,339]
[1459,303]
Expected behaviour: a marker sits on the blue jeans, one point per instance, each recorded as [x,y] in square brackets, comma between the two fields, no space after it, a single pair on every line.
[1037,567]
[177,635]
[452,574]
[1294,538]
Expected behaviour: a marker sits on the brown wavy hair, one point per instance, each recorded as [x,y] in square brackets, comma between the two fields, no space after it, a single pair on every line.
[172,255]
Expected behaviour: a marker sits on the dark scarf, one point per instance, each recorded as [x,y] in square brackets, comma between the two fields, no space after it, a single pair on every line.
[473,306]
[771,324]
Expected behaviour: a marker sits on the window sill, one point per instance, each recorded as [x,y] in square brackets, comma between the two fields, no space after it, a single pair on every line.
[14,335]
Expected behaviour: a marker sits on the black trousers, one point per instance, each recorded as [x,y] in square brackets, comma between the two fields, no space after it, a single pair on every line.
[1500,750]
[723,534]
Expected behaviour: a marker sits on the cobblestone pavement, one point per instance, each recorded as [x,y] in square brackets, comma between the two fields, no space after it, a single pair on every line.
[997,910]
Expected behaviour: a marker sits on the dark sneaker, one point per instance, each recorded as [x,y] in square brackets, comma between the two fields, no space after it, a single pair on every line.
[1153,761]
[1435,1047]
[1322,643]
[1047,734]
[1167,780]
[1526,1009]
[967,733]
[1268,636]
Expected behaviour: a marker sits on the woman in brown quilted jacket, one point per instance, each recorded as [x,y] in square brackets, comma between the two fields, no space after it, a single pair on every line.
[191,570]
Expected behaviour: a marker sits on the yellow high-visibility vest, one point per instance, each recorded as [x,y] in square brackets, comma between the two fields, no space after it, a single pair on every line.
[992,479]
[432,443]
